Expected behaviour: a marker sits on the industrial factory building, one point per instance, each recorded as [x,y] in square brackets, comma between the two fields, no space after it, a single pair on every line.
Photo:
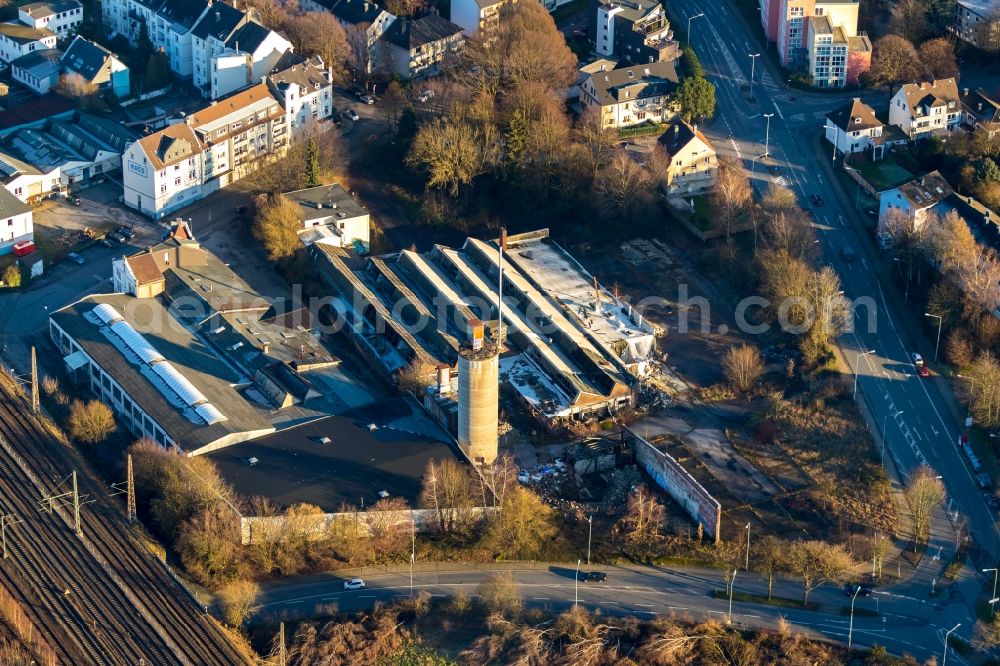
[161,381]
[571,349]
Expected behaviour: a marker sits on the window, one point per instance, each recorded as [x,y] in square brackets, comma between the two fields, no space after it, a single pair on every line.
[177,181]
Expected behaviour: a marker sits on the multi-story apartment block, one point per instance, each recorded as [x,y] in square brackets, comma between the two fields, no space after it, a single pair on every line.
[978,23]
[356,15]
[414,48]
[305,89]
[477,15]
[634,29]
[632,95]
[693,166]
[818,36]
[62,17]
[925,108]
[17,39]
[213,44]
[214,147]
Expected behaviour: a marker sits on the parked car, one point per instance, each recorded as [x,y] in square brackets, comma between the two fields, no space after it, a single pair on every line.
[367,99]
[984,481]
[110,241]
[352,114]
[424,96]
[861,590]
[76,259]
[594,576]
[128,233]
[354,584]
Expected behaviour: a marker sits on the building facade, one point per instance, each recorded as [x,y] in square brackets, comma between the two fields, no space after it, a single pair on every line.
[819,37]
[38,70]
[475,16]
[214,147]
[693,167]
[978,23]
[97,66]
[923,109]
[912,201]
[62,17]
[632,95]
[980,111]
[417,48]
[16,223]
[305,89]
[854,128]
[637,30]
[17,39]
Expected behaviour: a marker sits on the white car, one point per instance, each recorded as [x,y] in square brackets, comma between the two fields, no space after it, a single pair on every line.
[424,96]
[354,584]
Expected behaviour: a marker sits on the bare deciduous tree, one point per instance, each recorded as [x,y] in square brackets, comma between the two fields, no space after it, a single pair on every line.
[924,493]
[743,366]
[893,59]
[732,192]
[622,187]
[986,398]
[237,601]
[818,563]
[643,516]
[276,226]
[938,58]
[769,558]
[500,593]
[453,152]
[90,422]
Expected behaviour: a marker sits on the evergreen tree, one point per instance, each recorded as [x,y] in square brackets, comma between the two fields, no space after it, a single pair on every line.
[157,71]
[312,164]
[517,136]
[406,129]
[989,171]
[696,97]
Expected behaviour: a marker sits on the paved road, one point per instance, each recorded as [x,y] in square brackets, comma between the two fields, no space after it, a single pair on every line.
[904,624]
[921,429]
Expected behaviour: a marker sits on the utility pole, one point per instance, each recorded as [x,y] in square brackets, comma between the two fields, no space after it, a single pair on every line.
[130,492]
[937,344]
[850,632]
[282,650]
[34,382]
[76,505]
[590,534]
[6,521]
[747,565]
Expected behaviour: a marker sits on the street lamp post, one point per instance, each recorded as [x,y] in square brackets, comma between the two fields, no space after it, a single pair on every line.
[576,592]
[944,661]
[767,135]
[834,142]
[857,364]
[850,631]
[884,426]
[994,597]
[590,534]
[691,18]
[746,566]
[938,343]
[413,548]
[732,584]
[753,67]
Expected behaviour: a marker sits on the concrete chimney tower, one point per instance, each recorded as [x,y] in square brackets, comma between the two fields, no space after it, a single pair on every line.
[478,396]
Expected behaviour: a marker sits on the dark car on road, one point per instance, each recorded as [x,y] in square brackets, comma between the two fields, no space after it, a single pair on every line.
[128,233]
[816,200]
[593,576]
[76,258]
[860,590]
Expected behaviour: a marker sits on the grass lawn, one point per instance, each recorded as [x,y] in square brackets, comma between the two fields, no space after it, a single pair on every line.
[703,214]
[883,174]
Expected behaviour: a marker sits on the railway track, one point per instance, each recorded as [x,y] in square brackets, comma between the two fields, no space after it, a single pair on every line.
[107,599]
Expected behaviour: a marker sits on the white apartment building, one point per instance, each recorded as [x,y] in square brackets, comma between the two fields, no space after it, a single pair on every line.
[305,90]
[925,108]
[249,54]
[476,15]
[17,39]
[827,53]
[167,22]
[214,147]
[62,17]
[632,95]
[15,221]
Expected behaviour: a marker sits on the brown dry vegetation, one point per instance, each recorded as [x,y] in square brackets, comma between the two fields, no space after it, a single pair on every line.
[419,631]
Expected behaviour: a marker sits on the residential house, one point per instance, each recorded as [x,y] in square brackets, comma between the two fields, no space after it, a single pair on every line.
[214,147]
[329,215]
[913,199]
[38,70]
[477,15]
[356,15]
[632,95]
[15,222]
[634,29]
[981,111]
[97,66]
[62,17]
[854,128]
[411,48]
[922,109]
[978,23]
[693,167]
[249,54]
[304,87]
[17,39]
